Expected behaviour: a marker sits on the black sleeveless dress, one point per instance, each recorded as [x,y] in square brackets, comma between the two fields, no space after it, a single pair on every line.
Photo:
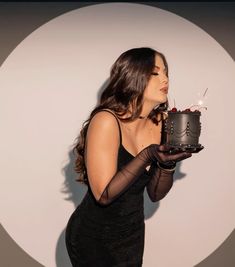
[112,235]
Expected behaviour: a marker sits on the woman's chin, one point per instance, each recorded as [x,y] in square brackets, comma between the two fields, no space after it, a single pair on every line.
[161,101]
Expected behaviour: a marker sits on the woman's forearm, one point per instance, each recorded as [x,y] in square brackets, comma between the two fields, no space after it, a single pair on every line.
[160,183]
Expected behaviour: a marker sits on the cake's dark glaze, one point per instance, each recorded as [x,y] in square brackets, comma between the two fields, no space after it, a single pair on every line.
[183,128]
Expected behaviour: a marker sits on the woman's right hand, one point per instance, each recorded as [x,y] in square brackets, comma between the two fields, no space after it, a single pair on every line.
[161,153]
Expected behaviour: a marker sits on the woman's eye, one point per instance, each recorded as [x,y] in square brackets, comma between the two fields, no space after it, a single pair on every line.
[154,73]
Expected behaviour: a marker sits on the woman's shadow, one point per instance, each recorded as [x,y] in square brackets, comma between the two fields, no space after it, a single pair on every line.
[76,191]
[151,207]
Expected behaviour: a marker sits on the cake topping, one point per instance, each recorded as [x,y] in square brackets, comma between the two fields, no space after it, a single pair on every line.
[174,109]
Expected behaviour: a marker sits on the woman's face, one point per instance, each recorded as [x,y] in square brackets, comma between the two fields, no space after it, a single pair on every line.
[157,88]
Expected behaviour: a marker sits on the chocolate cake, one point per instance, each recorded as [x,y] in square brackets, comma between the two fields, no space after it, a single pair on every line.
[182,130]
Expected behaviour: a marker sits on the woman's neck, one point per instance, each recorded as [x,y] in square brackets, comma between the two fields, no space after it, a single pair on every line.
[146,110]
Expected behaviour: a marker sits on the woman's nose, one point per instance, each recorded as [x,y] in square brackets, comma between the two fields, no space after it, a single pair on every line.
[163,78]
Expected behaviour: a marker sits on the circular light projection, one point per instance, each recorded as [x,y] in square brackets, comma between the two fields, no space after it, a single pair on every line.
[49,85]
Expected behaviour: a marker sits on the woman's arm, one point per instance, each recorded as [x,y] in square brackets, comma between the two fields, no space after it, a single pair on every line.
[101,155]
[160,182]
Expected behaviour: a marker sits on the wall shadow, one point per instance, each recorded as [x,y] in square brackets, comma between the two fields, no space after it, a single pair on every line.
[150,207]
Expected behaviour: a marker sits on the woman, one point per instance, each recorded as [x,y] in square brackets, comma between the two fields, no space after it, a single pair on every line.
[119,152]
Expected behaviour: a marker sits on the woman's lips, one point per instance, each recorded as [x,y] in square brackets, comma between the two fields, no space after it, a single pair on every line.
[164,90]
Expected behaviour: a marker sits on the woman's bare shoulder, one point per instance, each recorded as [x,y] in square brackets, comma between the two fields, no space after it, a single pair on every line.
[103,121]
[104,116]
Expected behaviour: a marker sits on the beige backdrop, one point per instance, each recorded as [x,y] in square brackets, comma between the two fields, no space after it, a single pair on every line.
[50,83]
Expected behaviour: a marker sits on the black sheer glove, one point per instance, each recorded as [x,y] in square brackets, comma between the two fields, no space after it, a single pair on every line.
[161,181]
[125,177]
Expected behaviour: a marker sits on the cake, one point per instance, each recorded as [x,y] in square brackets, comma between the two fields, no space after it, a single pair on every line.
[182,130]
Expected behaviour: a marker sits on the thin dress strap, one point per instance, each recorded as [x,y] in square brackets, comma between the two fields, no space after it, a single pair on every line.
[119,127]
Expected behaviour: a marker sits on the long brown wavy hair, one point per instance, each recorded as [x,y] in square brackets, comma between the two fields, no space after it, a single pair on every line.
[128,79]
